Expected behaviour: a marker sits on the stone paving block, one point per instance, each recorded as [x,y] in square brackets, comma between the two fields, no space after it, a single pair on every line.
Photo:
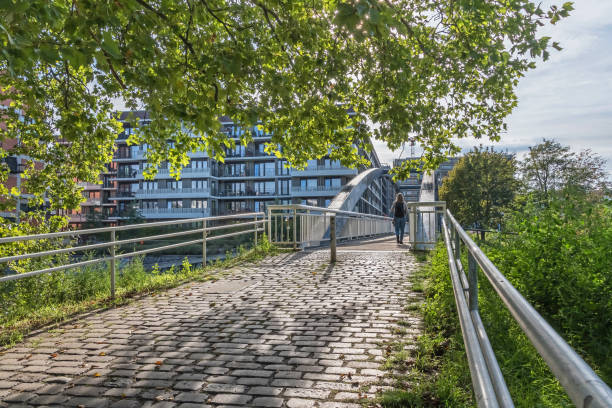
[253,381]
[289,338]
[267,402]
[292,383]
[307,393]
[88,402]
[231,399]
[300,403]
[126,403]
[193,397]
[225,388]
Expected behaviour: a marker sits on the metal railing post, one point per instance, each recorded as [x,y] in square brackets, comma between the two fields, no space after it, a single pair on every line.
[112,264]
[255,240]
[294,228]
[204,243]
[332,238]
[308,226]
[269,225]
[412,215]
[472,281]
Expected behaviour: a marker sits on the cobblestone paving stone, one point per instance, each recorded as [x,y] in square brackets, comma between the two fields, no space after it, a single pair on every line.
[299,333]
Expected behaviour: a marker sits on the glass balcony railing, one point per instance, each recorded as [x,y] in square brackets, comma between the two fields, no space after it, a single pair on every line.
[171,191]
[174,212]
[316,188]
[127,173]
[247,192]
[122,194]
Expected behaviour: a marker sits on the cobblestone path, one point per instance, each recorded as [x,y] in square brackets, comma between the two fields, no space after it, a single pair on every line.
[292,331]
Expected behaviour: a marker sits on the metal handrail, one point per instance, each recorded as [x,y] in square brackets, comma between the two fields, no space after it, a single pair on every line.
[581,383]
[113,244]
[324,210]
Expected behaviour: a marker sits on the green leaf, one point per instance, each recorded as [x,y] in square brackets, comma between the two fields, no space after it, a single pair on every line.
[110,45]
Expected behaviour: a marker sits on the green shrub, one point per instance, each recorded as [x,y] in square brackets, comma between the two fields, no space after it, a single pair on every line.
[560,260]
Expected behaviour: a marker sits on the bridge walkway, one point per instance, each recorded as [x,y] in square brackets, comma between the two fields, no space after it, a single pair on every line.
[292,331]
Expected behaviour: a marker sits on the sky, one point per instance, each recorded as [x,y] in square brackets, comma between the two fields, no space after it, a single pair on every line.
[567,98]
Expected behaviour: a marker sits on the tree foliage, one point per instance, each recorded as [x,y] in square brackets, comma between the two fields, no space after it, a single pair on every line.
[479,187]
[551,168]
[431,70]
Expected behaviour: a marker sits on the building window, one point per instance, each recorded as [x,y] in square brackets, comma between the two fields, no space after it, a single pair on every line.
[199,164]
[149,185]
[175,203]
[281,169]
[234,189]
[260,206]
[235,169]
[264,187]
[199,204]
[238,151]
[150,204]
[308,184]
[203,184]
[268,169]
[333,182]
[310,201]
[283,187]
[235,206]
[172,185]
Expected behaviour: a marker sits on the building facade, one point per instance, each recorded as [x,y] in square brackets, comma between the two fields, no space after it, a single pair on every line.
[248,181]
[411,187]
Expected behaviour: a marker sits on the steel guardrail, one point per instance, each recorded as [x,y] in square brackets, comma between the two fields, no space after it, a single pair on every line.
[114,244]
[582,384]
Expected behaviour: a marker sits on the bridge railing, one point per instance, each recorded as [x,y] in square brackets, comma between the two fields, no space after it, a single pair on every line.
[303,226]
[580,382]
[424,223]
[109,251]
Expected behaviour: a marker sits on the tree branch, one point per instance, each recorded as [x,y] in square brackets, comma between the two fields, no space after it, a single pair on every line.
[211,12]
[166,19]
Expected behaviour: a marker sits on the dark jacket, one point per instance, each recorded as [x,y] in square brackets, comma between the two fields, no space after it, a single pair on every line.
[392,212]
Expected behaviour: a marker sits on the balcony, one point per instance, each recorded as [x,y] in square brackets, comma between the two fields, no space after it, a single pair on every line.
[247,193]
[322,170]
[186,172]
[89,203]
[173,193]
[174,212]
[127,155]
[250,175]
[123,195]
[128,174]
[316,191]
[90,186]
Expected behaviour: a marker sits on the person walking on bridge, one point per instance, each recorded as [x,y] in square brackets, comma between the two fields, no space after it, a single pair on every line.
[398,212]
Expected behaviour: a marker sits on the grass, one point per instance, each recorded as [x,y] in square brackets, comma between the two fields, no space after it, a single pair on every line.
[432,372]
[31,303]
[435,372]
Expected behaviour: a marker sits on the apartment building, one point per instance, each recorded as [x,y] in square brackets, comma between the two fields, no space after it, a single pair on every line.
[248,181]
[411,187]
[16,164]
